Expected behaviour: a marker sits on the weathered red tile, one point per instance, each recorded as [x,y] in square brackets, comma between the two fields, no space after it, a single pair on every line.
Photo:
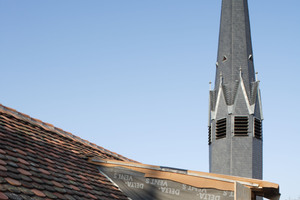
[50,161]
[26,191]
[26,167]
[83,177]
[92,196]
[67,169]
[21,152]
[2,151]
[114,196]
[11,153]
[74,187]
[24,172]
[12,158]
[2,168]
[30,150]
[54,155]
[87,186]
[38,186]
[57,184]
[27,184]
[23,161]
[60,196]
[52,169]
[50,195]
[3,174]
[48,124]
[3,196]
[13,181]
[38,193]
[70,177]
[44,171]
[2,162]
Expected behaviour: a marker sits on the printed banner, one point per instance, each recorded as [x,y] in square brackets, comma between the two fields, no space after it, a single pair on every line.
[136,186]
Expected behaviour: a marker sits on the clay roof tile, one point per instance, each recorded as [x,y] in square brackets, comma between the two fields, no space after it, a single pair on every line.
[3,196]
[38,193]
[13,181]
[40,161]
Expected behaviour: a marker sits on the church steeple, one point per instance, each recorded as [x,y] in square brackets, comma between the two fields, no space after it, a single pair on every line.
[235,48]
[235,134]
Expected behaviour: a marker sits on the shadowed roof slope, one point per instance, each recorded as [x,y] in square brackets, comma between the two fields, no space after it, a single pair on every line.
[39,161]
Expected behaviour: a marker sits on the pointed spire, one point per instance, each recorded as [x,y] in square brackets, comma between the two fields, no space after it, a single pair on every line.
[235,118]
[235,48]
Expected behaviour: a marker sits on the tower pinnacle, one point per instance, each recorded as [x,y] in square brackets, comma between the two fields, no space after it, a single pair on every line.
[235,48]
[235,118]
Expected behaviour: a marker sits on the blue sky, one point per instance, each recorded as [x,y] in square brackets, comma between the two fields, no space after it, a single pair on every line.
[132,76]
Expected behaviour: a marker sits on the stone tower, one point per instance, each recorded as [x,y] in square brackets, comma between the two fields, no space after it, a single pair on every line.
[235,113]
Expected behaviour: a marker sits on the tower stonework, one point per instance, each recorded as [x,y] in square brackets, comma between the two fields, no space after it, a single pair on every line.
[235,113]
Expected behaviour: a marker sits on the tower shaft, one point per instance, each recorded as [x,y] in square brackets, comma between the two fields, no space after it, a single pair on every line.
[235,118]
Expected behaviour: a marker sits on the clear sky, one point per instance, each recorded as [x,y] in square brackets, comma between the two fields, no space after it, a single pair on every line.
[132,76]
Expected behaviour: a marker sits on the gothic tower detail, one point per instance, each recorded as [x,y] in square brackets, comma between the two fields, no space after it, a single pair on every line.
[235,112]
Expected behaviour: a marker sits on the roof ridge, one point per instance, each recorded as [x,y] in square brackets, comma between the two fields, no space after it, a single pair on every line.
[51,127]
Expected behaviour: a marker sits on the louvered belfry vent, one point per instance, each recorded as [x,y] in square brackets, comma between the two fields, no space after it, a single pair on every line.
[209,135]
[257,128]
[221,128]
[241,124]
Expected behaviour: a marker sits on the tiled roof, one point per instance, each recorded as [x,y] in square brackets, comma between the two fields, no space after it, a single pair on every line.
[39,161]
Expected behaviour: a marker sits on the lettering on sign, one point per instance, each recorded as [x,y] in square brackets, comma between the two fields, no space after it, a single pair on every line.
[124,177]
[135,185]
[138,186]
[158,182]
[170,191]
[205,196]
[193,189]
[228,194]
